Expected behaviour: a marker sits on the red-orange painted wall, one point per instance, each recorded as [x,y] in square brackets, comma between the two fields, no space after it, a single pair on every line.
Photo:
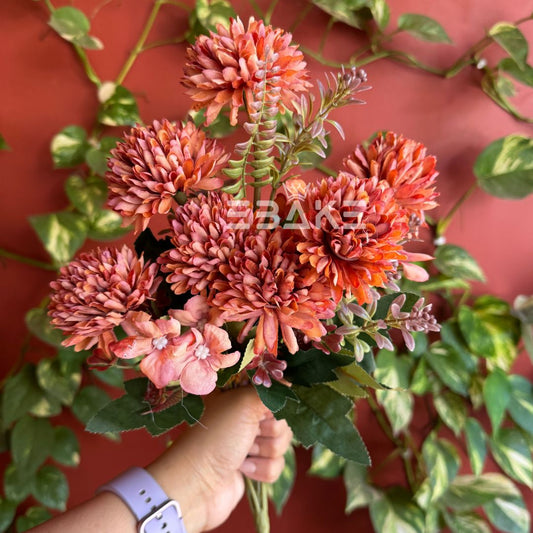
[43,89]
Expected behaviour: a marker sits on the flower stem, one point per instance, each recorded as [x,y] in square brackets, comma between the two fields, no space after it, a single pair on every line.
[270,11]
[258,499]
[443,223]
[26,260]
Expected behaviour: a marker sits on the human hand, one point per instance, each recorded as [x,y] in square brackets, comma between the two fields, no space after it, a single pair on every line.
[203,469]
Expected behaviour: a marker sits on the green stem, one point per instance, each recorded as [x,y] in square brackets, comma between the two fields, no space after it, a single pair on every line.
[140,43]
[404,450]
[89,71]
[270,11]
[257,9]
[156,44]
[258,499]
[300,18]
[326,170]
[443,223]
[324,39]
[26,260]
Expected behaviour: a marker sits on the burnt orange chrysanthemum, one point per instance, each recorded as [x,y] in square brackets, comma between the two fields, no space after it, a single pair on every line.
[94,292]
[225,66]
[206,231]
[264,284]
[156,162]
[354,233]
[406,167]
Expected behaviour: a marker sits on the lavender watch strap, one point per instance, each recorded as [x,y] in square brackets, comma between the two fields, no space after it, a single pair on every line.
[148,502]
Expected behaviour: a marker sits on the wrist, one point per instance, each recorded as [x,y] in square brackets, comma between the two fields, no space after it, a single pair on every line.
[178,478]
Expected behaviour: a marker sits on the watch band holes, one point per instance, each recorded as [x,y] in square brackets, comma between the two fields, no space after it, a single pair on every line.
[148,500]
[142,492]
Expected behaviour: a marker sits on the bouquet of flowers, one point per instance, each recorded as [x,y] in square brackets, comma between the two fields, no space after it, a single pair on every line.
[258,278]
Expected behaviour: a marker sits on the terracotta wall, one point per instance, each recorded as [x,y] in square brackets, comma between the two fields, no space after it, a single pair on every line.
[43,89]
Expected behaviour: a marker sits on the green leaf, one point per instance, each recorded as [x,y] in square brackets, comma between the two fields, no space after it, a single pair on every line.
[399,407]
[509,514]
[3,146]
[325,463]
[132,411]
[421,380]
[7,513]
[206,15]
[442,463]
[345,384]
[467,522]
[452,409]
[469,492]
[511,451]
[505,168]
[355,13]
[33,517]
[89,401]
[96,157]
[72,24]
[396,512]
[120,109]
[87,195]
[522,73]
[423,27]
[359,493]
[320,416]
[62,234]
[456,262]
[313,366]
[476,445]
[106,225]
[380,12]
[394,371]
[17,483]
[51,487]
[449,366]
[21,393]
[46,407]
[512,40]
[491,331]
[276,396]
[68,147]
[66,449]
[497,395]
[113,376]
[521,403]
[29,431]
[280,490]
[38,322]
[57,383]
[355,371]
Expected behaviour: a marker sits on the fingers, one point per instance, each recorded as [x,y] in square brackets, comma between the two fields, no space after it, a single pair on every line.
[262,468]
[265,460]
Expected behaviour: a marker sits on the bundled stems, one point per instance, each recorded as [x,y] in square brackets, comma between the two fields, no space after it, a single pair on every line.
[258,499]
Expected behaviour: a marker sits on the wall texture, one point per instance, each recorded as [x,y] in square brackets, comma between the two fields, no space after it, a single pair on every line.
[43,89]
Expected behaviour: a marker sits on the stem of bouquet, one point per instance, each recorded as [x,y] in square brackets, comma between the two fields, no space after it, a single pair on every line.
[27,260]
[257,494]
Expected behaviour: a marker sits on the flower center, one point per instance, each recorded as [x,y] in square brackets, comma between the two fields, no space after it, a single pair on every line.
[160,342]
[202,352]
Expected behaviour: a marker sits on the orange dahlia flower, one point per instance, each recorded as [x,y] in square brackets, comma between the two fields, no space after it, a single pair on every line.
[354,232]
[226,68]
[265,285]
[154,163]
[94,292]
[403,163]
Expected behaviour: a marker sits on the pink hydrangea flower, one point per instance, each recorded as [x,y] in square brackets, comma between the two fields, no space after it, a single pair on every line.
[192,358]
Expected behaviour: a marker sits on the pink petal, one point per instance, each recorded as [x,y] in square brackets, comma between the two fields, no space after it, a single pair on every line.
[216,339]
[415,272]
[198,377]
[160,368]
[131,347]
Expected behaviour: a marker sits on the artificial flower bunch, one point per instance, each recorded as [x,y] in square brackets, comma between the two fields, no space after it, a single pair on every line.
[246,282]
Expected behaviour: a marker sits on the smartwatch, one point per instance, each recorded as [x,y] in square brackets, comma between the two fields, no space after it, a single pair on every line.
[154,510]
